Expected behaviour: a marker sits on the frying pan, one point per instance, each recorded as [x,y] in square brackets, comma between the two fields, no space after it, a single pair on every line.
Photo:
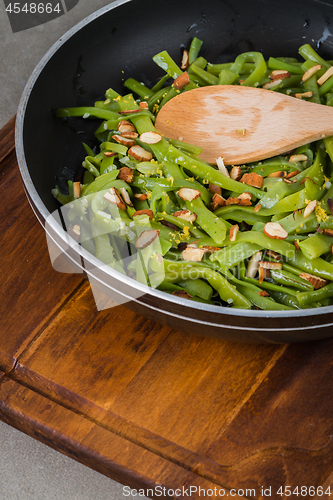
[115,43]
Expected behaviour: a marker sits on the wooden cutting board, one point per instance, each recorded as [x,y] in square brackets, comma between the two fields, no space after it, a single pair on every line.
[146,405]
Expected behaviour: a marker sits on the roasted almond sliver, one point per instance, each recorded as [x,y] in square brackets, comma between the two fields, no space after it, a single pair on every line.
[232,201]
[76,189]
[263,293]
[141,196]
[328,232]
[213,188]
[219,200]
[126,197]
[253,265]
[235,173]
[292,174]
[253,179]
[245,196]
[270,265]
[181,81]
[126,174]
[311,72]
[124,140]
[186,215]
[275,230]
[188,194]
[309,208]
[262,274]
[314,280]
[193,254]
[274,255]
[300,95]
[147,212]
[126,126]
[325,76]
[294,158]
[140,154]
[272,84]
[185,60]
[143,105]
[279,173]
[146,238]
[279,74]
[221,166]
[150,137]
[114,197]
[233,232]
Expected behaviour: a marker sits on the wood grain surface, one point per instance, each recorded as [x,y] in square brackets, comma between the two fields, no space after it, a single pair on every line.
[144,404]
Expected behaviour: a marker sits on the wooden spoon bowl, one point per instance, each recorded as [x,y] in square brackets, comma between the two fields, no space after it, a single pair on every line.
[243,124]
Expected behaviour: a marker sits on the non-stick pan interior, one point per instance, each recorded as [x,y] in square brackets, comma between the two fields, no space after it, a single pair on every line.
[119,42]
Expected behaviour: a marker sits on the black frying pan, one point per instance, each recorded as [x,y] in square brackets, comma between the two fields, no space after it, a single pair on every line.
[118,42]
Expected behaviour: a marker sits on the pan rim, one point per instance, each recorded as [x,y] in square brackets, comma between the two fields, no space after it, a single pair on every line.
[45,214]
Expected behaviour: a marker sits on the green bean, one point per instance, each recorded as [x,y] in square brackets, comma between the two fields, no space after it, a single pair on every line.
[195,47]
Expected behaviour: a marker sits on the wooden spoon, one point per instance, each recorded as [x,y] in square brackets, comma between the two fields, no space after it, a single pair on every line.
[242,124]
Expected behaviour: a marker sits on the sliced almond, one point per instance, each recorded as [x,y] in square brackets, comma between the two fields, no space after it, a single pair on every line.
[140,154]
[272,84]
[182,294]
[294,158]
[279,74]
[232,201]
[325,76]
[296,245]
[143,105]
[76,189]
[263,293]
[146,238]
[181,81]
[130,135]
[150,137]
[245,196]
[188,194]
[275,231]
[171,226]
[126,197]
[141,196]
[211,249]
[233,232]
[309,208]
[186,215]
[273,255]
[235,173]
[221,166]
[292,174]
[124,140]
[214,206]
[279,173]
[126,174]
[219,200]
[304,95]
[253,179]
[253,265]
[125,126]
[114,197]
[314,280]
[213,188]
[262,274]
[328,232]
[109,154]
[147,212]
[311,72]
[185,60]
[193,254]
[270,265]
[245,203]
[257,208]
[129,111]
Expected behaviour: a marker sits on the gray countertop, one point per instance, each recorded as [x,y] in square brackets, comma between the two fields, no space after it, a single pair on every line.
[30,470]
